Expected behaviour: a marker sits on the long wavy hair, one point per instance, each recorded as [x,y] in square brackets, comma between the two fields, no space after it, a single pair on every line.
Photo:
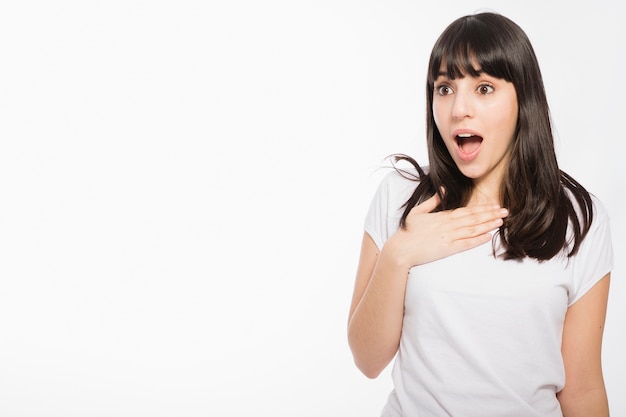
[534,189]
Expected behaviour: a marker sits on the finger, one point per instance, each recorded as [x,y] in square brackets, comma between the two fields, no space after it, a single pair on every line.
[427,206]
[461,229]
[471,242]
[477,214]
[476,230]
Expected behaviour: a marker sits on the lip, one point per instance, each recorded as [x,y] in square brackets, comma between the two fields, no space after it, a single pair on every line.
[466,156]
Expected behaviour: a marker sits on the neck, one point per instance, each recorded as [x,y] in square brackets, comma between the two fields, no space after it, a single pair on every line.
[485,195]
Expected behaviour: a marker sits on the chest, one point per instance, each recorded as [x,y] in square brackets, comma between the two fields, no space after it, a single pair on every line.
[474,286]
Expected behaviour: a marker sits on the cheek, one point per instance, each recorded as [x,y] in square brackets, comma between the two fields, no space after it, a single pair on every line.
[512,121]
[438,117]
[504,115]
[509,113]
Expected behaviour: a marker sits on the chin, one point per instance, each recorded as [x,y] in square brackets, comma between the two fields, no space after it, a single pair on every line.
[471,173]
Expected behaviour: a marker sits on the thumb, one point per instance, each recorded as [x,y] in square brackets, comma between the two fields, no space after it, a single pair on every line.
[429,205]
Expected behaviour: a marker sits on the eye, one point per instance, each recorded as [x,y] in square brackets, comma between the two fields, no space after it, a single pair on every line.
[485,89]
[443,90]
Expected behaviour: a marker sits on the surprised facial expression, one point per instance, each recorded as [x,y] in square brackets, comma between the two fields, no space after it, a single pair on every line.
[477,118]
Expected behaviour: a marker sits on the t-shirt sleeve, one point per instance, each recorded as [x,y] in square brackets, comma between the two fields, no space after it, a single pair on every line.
[377,214]
[595,256]
[383,217]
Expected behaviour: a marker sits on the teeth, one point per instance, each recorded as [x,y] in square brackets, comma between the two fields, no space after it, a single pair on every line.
[465,135]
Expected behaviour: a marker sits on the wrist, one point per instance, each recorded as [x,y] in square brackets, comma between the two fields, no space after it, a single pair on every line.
[394,254]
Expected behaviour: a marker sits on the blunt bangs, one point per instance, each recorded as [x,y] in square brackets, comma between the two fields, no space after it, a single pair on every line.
[472,45]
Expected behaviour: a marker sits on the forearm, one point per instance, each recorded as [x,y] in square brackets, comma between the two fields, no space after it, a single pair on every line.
[376,324]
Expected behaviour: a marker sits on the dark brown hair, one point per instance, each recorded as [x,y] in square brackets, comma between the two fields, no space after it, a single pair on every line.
[534,189]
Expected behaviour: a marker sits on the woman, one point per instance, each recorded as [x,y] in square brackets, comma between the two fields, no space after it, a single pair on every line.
[511,328]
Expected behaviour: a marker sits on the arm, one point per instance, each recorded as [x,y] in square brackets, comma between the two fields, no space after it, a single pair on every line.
[584,394]
[377,310]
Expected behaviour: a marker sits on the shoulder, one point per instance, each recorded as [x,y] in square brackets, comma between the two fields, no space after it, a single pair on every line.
[401,181]
[599,234]
[594,258]
[600,211]
[597,241]
[594,208]
[585,205]
[388,204]
[395,188]
[600,226]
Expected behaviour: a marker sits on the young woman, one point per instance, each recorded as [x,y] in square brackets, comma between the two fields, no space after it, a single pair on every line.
[486,275]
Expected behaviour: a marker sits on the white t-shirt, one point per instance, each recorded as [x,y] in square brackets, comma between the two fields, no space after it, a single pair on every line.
[481,336]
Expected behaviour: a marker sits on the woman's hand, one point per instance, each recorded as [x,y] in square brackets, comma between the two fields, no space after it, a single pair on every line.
[430,236]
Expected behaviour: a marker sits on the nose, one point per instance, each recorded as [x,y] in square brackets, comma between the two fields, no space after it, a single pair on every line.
[462,106]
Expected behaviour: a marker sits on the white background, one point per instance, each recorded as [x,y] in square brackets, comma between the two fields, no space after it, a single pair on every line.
[183,186]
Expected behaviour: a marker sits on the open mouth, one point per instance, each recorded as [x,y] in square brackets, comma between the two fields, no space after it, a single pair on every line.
[468,143]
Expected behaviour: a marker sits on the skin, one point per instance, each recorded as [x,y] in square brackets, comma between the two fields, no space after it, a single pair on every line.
[485,106]
[584,394]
